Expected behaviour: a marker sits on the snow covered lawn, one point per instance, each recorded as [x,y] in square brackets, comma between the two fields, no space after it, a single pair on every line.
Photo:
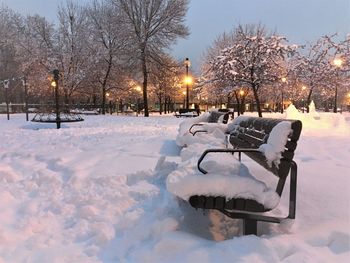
[96,192]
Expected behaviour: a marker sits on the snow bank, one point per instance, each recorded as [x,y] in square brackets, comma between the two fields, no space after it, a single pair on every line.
[315,123]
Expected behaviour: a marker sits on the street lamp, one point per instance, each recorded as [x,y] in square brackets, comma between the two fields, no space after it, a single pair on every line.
[24,82]
[284,81]
[241,106]
[184,104]
[303,88]
[187,64]
[337,63]
[54,83]
[139,90]
[6,86]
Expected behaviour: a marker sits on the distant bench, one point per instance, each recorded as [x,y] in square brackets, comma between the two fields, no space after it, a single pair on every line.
[187,113]
[249,134]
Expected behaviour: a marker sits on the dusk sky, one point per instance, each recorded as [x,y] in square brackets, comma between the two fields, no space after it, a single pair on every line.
[300,21]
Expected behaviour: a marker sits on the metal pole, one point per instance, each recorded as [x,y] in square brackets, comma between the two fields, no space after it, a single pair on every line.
[6,87]
[282,103]
[56,78]
[26,97]
[335,100]
[7,104]
[187,93]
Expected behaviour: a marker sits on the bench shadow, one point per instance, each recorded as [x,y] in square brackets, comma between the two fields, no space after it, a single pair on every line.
[170,148]
[210,225]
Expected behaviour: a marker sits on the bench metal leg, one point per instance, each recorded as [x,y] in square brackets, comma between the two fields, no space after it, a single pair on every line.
[250,227]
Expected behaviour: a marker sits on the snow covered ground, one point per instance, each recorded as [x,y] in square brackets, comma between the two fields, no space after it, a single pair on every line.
[96,192]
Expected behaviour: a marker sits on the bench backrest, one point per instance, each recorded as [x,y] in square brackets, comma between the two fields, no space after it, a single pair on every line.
[253,132]
[182,111]
[215,115]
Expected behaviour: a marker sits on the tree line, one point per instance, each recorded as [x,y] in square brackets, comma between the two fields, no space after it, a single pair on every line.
[251,62]
[103,49]
[119,50]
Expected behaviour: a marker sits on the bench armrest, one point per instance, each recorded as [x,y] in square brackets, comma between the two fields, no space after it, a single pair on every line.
[193,125]
[221,151]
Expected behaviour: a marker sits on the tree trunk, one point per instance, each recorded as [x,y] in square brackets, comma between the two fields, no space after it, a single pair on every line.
[256,97]
[238,103]
[145,80]
[242,105]
[103,104]
[160,105]
[308,101]
[165,104]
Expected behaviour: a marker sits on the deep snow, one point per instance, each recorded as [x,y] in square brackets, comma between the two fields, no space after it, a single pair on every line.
[96,192]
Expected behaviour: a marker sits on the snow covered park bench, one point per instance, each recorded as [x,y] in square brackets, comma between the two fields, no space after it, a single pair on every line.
[211,122]
[214,117]
[237,194]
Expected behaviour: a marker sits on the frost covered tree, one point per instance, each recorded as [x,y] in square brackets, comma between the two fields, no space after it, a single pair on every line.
[156,25]
[317,72]
[254,59]
[74,58]
[211,81]
[8,52]
[164,75]
[109,44]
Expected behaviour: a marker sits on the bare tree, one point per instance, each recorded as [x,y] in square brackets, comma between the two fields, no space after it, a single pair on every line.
[156,25]
[109,43]
[73,56]
[164,76]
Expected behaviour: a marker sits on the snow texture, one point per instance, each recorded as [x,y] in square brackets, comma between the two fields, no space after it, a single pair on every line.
[276,142]
[230,180]
[96,191]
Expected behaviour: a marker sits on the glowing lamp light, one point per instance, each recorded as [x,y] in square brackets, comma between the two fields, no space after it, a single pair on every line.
[53,83]
[184,92]
[338,62]
[284,79]
[303,88]
[188,80]
[138,88]
[241,92]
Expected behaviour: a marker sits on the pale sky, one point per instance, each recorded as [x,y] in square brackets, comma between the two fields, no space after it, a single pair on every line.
[300,21]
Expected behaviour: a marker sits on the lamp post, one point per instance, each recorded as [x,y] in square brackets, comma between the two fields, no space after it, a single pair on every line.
[184,103]
[24,82]
[138,100]
[337,63]
[187,65]
[6,86]
[284,81]
[241,107]
[303,88]
[54,84]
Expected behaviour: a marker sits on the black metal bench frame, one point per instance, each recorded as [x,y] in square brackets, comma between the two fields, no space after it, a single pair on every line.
[251,134]
[213,118]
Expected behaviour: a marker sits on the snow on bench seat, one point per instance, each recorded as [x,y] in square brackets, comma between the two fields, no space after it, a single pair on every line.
[229,179]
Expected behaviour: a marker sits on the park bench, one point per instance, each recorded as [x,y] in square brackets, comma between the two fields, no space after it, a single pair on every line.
[214,117]
[187,113]
[249,134]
